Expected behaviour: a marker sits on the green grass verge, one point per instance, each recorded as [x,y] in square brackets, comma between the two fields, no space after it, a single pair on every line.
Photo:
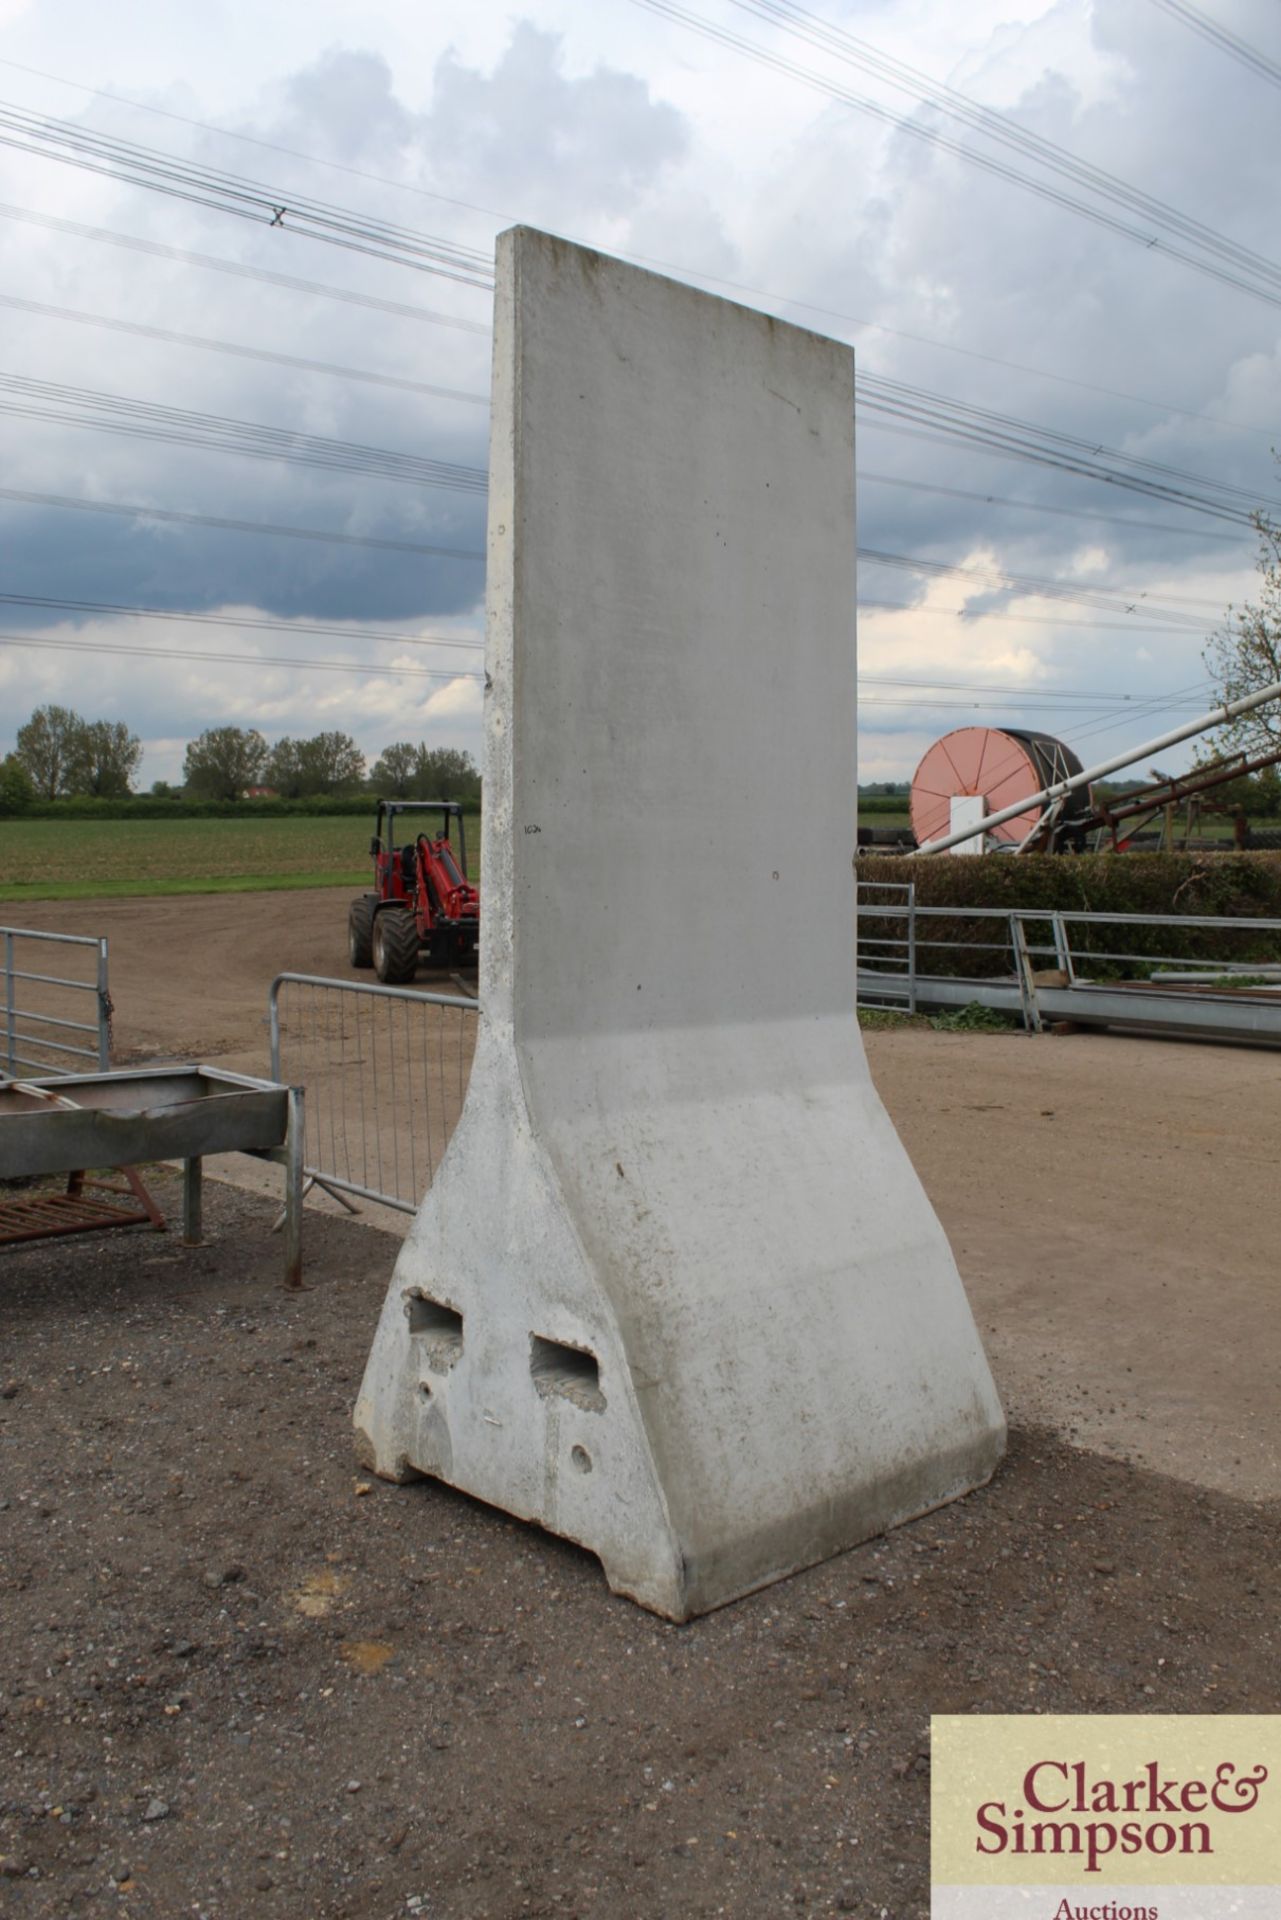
[886,1020]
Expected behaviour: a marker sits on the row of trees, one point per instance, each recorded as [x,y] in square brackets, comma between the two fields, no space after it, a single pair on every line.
[60,752]
[60,755]
[406,772]
[226,762]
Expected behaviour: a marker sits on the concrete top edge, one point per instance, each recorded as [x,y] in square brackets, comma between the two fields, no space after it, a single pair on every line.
[536,240]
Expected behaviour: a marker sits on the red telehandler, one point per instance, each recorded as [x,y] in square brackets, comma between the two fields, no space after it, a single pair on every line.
[423,905]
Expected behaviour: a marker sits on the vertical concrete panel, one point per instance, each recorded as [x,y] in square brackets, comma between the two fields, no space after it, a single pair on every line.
[710,1325]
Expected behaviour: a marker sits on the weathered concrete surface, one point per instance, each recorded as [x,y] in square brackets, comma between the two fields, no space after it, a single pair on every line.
[676,1291]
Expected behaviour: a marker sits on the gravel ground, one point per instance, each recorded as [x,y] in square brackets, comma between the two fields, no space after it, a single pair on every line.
[238,1680]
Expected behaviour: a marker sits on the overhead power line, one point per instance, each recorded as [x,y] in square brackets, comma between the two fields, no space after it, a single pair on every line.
[972,617]
[1025,438]
[1230,43]
[254,140]
[912,409]
[74,144]
[1234,516]
[1018,706]
[148,420]
[158,171]
[795,20]
[1214,255]
[158,251]
[184,654]
[83,407]
[1146,623]
[170,338]
[327,535]
[1099,515]
[258,623]
[1035,688]
[330,537]
[1001,581]
[646,260]
[109,412]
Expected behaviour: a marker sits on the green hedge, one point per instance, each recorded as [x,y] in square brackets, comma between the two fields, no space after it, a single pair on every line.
[870,804]
[1225,885]
[148,807]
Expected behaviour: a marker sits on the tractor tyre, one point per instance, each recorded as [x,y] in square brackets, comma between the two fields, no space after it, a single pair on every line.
[360,933]
[395,945]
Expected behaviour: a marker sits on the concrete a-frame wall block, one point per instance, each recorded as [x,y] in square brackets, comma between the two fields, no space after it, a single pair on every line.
[676,1291]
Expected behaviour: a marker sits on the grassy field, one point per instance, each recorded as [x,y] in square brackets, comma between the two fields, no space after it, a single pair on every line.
[101,859]
[97,859]
[105,859]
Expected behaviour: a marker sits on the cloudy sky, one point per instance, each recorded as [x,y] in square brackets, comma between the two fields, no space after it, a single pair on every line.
[1111,300]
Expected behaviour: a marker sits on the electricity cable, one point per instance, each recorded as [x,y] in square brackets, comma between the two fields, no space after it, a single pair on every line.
[667,266]
[241,351]
[221,521]
[1002,581]
[120,413]
[793,19]
[149,168]
[291,282]
[260,623]
[1219,36]
[1221,260]
[866,477]
[254,622]
[383,671]
[931,415]
[114,648]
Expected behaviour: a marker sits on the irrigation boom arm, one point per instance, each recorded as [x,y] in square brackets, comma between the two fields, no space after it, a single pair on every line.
[1216,718]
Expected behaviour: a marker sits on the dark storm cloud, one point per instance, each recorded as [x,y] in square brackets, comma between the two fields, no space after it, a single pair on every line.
[343,104]
[86,556]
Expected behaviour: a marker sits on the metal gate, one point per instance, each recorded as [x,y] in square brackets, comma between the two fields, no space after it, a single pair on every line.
[40,1034]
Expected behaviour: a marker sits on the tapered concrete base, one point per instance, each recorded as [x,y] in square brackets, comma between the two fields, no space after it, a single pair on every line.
[676,1292]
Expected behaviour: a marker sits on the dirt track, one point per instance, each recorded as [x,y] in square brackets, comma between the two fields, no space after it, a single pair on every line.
[1113,1204]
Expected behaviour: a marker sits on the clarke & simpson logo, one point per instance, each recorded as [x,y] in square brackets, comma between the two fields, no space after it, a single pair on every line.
[1057,1787]
[1106,1817]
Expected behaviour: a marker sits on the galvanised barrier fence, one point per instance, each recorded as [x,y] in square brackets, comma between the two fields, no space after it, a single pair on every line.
[1107,969]
[40,1033]
[385,1070]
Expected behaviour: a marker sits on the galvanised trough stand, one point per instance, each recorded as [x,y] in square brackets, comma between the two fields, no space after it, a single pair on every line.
[136,1115]
[676,1291]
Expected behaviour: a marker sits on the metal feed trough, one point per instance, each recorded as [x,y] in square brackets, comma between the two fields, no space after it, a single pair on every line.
[125,1119]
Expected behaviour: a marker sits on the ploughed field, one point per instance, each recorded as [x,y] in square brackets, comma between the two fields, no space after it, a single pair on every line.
[95,859]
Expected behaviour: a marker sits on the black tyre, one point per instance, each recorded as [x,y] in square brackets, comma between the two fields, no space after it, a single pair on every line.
[395,944]
[360,933]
